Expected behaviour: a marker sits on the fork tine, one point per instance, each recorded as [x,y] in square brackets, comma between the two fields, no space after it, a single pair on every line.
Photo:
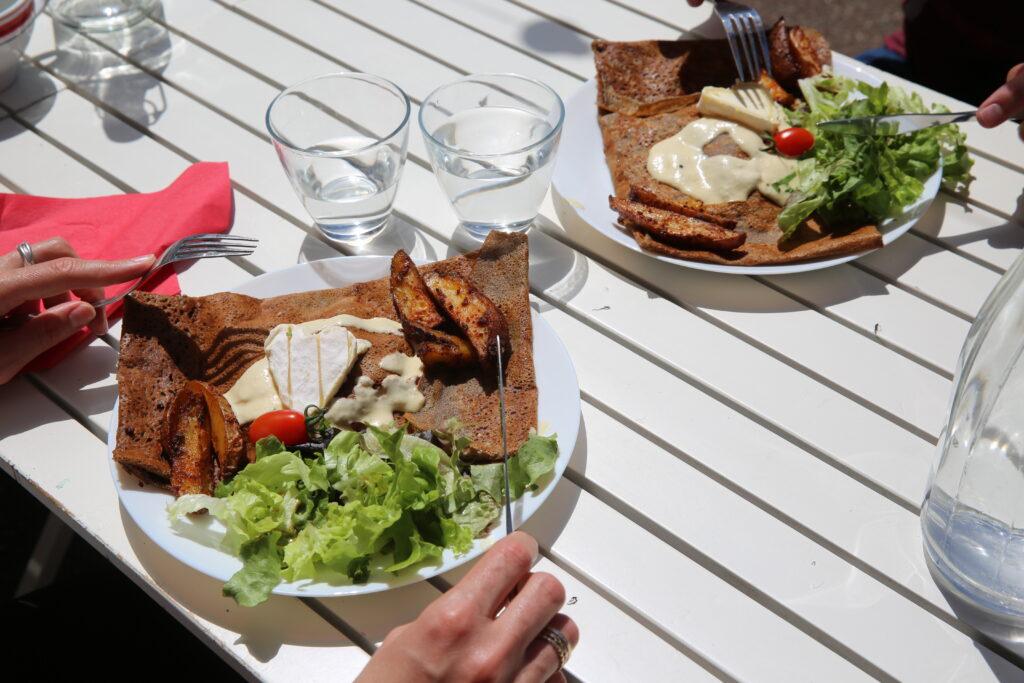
[747,41]
[762,41]
[217,243]
[220,236]
[730,35]
[210,253]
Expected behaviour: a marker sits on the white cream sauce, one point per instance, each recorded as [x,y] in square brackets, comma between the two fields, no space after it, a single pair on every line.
[253,393]
[379,325]
[372,405]
[680,161]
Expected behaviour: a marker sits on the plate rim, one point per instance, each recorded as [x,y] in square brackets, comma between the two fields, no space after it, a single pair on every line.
[321,589]
[587,92]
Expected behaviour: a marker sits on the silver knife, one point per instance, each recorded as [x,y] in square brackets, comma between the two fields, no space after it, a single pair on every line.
[893,124]
[504,439]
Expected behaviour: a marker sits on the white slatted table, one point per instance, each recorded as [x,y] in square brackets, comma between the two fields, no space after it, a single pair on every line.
[743,502]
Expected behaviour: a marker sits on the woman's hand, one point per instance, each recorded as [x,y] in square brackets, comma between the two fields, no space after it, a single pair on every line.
[459,638]
[1005,103]
[56,274]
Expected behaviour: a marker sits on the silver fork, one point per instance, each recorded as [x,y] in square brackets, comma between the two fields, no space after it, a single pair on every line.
[745,32]
[207,245]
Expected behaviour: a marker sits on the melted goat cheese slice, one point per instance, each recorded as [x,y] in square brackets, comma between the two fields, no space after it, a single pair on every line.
[309,367]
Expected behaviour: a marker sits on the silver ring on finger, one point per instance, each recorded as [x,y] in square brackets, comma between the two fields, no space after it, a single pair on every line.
[25,251]
[557,640]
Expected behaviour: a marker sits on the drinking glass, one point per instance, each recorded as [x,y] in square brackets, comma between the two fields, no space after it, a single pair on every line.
[492,139]
[342,140]
[100,15]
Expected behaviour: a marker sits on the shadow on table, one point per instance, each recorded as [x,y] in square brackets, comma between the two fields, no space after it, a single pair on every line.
[549,37]
[1007,641]
[399,234]
[96,64]
[30,98]
[1007,235]
[262,636]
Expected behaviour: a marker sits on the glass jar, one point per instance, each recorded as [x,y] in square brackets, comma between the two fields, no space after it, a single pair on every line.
[973,514]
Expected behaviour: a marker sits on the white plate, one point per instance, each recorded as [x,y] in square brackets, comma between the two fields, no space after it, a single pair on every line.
[558,411]
[581,178]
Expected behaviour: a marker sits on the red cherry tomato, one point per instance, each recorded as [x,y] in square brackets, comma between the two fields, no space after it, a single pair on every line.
[287,425]
[792,142]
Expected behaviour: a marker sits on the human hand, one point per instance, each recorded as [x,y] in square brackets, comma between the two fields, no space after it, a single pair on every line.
[56,274]
[461,637]
[1006,102]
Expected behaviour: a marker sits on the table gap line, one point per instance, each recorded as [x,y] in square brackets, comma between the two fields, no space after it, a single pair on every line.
[597,325]
[555,20]
[321,610]
[924,296]
[665,444]
[12,185]
[555,234]
[309,230]
[735,405]
[651,525]
[909,355]
[734,580]
[404,43]
[501,41]
[976,260]
[249,267]
[770,604]
[687,33]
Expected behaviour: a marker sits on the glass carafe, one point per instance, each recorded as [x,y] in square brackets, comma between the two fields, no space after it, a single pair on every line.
[973,515]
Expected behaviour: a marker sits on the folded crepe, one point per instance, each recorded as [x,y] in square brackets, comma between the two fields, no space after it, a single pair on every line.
[167,340]
[647,91]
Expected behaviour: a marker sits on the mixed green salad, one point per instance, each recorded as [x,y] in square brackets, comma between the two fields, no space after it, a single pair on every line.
[854,179]
[379,500]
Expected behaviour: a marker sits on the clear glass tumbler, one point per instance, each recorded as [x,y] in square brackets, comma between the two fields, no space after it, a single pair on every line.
[101,15]
[973,514]
[492,140]
[342,140]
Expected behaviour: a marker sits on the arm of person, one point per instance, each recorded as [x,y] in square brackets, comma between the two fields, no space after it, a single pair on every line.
[476,632]
[57,273]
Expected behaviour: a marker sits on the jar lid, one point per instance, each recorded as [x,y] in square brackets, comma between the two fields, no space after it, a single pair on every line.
[14,14]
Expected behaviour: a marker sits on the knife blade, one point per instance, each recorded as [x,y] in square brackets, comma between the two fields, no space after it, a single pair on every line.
[893,124]
[504,438]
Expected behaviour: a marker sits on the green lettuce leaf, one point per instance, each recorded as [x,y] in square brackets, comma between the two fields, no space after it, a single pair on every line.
[851,179]
[260,572]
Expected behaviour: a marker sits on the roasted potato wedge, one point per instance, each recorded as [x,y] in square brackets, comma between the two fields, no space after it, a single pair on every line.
[439,348]
[473,313]
[186,441]
[225,433]
[409,294]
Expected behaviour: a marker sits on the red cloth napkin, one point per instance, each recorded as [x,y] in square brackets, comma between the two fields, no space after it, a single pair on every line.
[121,226]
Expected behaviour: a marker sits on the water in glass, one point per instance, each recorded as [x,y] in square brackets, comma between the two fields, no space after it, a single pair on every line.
[489,190]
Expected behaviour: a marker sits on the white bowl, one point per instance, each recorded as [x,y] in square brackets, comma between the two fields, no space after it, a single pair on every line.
[13,45]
